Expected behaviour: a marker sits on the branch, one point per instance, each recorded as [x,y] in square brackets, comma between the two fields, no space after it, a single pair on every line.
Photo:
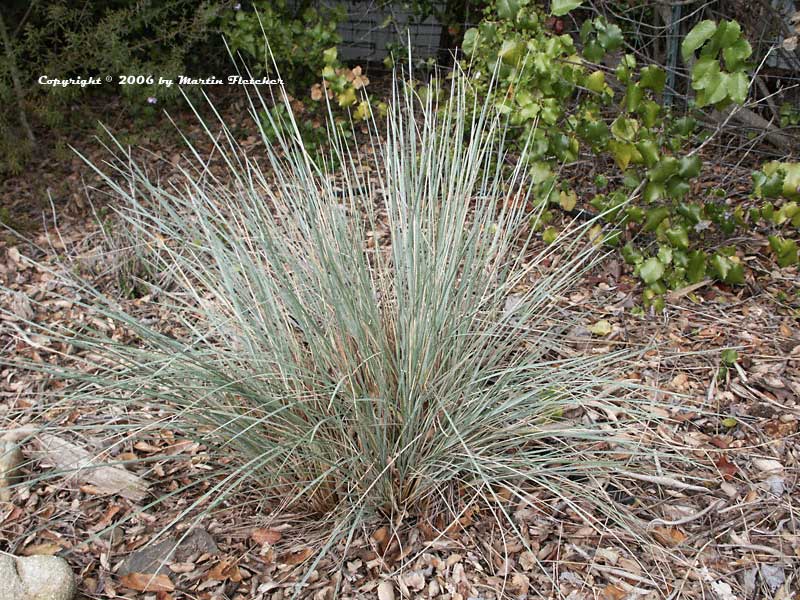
[751,119]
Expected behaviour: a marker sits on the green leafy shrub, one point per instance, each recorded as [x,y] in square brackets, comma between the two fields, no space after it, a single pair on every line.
[367,352]
[64,40]
[303,50]
[296,41]
[563,101]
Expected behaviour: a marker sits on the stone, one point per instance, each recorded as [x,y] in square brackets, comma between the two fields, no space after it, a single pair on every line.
[10,460]
[156,557]
[35,578]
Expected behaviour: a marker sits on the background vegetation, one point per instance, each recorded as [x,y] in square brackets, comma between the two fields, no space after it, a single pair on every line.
[636,91]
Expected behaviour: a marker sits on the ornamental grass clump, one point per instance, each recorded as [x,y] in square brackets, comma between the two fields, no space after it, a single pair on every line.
[382,342]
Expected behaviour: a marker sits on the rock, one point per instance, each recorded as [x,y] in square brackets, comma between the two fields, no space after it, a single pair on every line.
[10,460]
[35,578]
[156,558]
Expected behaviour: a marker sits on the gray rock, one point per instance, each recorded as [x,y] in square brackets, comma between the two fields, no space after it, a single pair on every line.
[35,578]
[155,558]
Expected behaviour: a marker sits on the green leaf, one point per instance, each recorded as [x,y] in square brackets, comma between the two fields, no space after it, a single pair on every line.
[685,126]
[539,172]
[690,212]
[649,151]
[665,169]
[727,270]
[329,56]
[651,270]
[549,235]
[696,269]
[728,33]
[729,356]
[698,36]
[624,129]
[704,73]
[596,132]
[596,82]
[729,422]
[622,153]
[362,112]
[737,86]
[654,192]
[736,54]
[561,7]
[649,111]
[678,236]
[653,78]
[717,89]
[348,97]
[511,51]
[654,218]
[508,9]
[634,214]
[633,97]
[789,174]
[785,250]
[470,43]
[593,51]
[677,189]
[567,200]
[610,37]
[689,166]
[631,255]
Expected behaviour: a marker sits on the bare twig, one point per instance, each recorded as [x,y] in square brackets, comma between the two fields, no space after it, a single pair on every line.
[689,518]
[665,481]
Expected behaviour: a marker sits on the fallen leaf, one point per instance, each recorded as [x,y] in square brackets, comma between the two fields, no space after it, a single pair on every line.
[527,560]
[359,80]
[182,567]
[767,465]
[669,536]
[295,558]
[146,447]
[265,536]
[224,570]
[48,548]
[147,582]
[601,328]
[726,468]
[415,581]
[386,591]
[612,592]
[381,538]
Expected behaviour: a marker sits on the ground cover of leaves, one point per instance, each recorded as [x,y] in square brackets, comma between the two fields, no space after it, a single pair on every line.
[737,536]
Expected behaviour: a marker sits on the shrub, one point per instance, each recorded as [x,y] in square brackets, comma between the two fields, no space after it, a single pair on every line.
[372,345]
[62,39]
[296,41]
[568,100]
